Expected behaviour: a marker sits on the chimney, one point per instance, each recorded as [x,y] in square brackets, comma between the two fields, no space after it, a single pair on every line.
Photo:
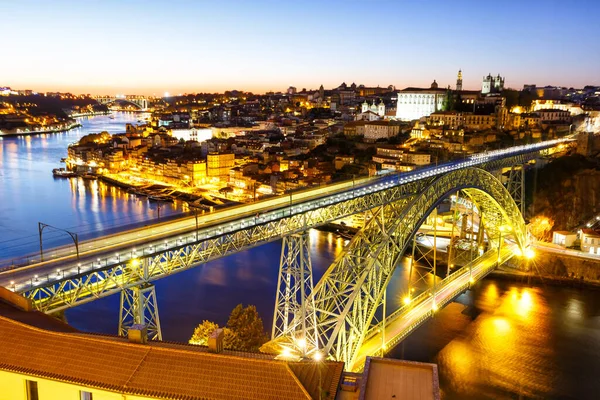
[215,341]
[138,333]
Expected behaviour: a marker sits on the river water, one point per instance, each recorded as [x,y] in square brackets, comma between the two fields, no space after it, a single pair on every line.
[501,340]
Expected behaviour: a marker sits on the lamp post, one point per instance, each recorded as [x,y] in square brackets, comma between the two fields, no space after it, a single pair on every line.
[74,237]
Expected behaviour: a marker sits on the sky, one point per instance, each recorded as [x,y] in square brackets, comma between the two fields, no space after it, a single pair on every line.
[176,46]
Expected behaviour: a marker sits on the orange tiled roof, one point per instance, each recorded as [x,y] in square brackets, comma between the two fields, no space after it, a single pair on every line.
[154,370]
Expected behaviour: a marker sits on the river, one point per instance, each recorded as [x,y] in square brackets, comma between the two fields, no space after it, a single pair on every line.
[502,340]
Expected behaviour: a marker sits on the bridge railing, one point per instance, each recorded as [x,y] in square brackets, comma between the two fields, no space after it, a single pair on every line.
[471,266]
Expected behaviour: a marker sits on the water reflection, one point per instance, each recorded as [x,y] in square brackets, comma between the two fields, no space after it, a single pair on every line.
[30,194]
[508,348]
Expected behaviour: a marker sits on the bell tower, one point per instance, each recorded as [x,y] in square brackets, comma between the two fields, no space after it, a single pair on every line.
[459,81]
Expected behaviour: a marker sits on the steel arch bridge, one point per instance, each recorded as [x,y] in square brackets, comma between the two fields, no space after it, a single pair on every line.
[350,292]
[138,101]
[337,318]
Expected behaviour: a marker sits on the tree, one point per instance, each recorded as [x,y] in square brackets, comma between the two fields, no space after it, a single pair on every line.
[448,103]
[248,327]
[244,330]
[203,331]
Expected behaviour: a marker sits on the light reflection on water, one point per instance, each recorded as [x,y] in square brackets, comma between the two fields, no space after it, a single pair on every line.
[30,194]
[514,341]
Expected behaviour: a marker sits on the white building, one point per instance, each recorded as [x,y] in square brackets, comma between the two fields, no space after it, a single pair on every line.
[492,84]
[590,241]
[197,134]
[564,238]
[414,103]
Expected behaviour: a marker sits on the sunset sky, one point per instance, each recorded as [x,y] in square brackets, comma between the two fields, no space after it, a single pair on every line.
[151,47]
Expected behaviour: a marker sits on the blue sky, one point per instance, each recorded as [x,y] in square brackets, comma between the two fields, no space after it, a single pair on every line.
[135,46]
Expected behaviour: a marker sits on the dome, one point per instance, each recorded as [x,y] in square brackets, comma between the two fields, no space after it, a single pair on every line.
[434,85]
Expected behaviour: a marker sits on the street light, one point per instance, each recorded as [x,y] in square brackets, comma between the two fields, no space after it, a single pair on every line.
[74,237]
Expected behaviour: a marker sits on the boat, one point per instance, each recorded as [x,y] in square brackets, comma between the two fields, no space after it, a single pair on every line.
[159,198]
[89,176]
[62,173]
[111,116]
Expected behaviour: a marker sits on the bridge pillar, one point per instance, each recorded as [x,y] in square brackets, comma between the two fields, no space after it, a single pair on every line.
[516,186]
[138,306]
[294,318]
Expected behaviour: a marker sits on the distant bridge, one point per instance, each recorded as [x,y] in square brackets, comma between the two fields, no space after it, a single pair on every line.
[140,101]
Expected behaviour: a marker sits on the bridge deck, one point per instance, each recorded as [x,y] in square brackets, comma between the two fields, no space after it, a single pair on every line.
[405,320]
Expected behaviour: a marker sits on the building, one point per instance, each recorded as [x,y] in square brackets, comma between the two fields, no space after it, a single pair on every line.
[43,358]
[416,158]
[590,241]
[492,84]
[378,108]
[553,115]
[219,164]
[564,238]
[197,134]
[385,378]
[414,103]
[375,130]
[355,128]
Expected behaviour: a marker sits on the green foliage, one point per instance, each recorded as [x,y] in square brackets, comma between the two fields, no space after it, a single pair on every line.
[102,137]
[201,333]
[449,101]
[244,330]
[512,97]
[526,98]
[248,327]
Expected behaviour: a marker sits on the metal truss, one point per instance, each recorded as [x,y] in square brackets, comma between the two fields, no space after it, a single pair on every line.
[350,291]
[53,293]
[422,307]
[294,318]
[138,306]
[516,185]
[424,251]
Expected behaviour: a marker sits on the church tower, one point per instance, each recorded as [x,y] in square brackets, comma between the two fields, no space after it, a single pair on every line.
[459,81]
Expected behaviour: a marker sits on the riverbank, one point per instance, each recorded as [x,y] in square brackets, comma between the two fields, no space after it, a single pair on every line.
[552,268]
[90,114]
[19,132]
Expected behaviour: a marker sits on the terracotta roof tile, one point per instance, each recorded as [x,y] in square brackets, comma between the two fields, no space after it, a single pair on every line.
[155,369]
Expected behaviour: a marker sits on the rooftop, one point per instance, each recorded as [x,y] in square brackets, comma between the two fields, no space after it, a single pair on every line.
[156,369]
[385,378]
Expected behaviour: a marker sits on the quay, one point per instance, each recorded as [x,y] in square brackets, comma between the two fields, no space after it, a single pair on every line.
[27,132]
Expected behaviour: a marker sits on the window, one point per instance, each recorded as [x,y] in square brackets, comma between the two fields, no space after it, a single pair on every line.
[32,390]
[83,395]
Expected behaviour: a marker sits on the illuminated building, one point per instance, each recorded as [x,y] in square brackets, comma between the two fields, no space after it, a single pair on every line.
[218,165]
[376,110]
[414,103]
[459,81]
[492,84]
[197,134]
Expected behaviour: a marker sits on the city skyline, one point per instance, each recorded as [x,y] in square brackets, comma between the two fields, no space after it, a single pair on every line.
[150,48]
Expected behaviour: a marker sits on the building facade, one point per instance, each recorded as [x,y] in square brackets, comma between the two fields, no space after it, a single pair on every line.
[492,84]
[414,103]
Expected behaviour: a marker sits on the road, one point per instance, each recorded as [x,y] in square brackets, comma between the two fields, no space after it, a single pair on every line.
[554,248]
[114,249]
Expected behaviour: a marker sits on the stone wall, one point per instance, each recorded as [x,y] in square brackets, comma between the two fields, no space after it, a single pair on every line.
[552,265]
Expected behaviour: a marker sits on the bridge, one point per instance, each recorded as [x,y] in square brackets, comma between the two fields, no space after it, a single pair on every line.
[139,101]
[343,316]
